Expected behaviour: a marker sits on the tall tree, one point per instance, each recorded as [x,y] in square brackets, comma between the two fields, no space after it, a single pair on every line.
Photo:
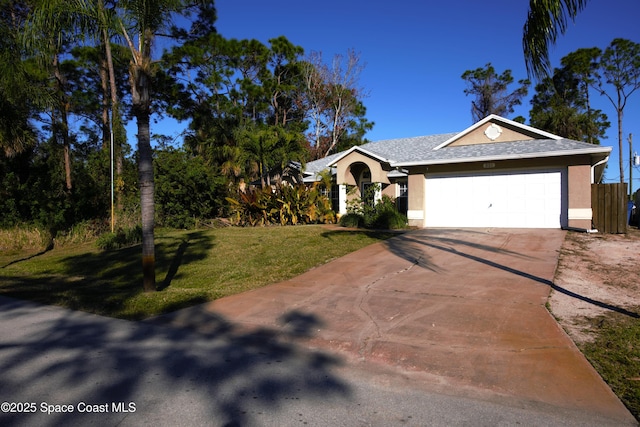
[583,64]
[559,106]
[620,68]
[51,28]
[18,94]
[268,150]
[142,19]
[491,93]
[546,20]
[333,100]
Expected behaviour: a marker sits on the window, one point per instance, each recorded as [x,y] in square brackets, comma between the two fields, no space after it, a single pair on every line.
[335,197]
[402,201]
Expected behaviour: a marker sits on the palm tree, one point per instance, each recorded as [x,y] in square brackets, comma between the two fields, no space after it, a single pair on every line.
[545,20]
[50,26]
[17,94]
[143,19]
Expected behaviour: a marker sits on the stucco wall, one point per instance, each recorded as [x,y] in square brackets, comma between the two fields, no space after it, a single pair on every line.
[416,202]
[579,182]
[344,175]
[477,136]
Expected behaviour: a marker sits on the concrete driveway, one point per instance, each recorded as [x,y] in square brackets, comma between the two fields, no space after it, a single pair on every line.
[459,310]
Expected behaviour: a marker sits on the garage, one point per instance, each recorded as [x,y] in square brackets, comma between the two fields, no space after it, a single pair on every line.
[510,199]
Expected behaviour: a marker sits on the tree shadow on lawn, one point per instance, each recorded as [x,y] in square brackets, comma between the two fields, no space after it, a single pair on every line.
[102,282]
[229,377]
[27,258]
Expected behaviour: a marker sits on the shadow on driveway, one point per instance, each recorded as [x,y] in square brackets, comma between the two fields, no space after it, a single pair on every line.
[59,357]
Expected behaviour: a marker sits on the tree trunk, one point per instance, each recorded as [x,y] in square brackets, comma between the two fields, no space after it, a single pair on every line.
[620,143]
[64,124]
[145,170]
[104,86]
[67,150]
[140,82]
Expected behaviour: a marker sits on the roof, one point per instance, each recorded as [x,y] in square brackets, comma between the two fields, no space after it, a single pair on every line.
[435,149]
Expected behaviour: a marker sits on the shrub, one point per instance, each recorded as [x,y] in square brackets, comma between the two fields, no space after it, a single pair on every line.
[186,189]
[383,215]
[353,220]
[282,205]
[386,216]
[120,239]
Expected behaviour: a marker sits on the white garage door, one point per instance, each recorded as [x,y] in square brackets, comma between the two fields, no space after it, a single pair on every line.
[511,200]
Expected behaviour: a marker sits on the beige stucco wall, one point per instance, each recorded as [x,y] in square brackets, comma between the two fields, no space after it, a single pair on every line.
[416,201]
[343,169]
[389,190]
[579,194]
[477,136]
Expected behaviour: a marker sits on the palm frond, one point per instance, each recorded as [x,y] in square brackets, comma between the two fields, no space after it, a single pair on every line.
[545,21]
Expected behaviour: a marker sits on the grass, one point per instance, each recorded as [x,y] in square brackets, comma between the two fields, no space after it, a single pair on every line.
[615,354]
[192,267]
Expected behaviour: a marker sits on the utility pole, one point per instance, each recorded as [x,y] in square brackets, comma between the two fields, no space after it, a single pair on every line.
[631,160]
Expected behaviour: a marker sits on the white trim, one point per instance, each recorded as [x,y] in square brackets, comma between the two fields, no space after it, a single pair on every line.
[362,151]
[342,199]
[580,213]
[598,150]
[593,170]
[415,214]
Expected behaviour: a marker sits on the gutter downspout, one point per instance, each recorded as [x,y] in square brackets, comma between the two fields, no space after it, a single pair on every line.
[593,181]
[593,169]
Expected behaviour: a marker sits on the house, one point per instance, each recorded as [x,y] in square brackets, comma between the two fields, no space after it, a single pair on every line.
[496,173]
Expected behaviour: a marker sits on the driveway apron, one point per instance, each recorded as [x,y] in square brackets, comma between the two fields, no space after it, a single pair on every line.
[464,306]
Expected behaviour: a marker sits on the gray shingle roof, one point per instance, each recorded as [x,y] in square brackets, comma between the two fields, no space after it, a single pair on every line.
[421,151]
[503,151]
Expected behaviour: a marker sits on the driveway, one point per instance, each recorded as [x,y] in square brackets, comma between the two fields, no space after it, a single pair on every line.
[438,327]
[460,310]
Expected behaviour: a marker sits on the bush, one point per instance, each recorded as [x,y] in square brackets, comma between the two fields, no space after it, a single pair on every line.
[186,189]
[386,216]
[383,215]
[284,205]
[352,220]
[388,220]
[120,239]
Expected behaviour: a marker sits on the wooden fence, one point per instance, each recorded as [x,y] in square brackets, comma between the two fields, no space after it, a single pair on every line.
[609,205]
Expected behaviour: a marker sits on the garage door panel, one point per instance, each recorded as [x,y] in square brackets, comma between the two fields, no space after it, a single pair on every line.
[516,199]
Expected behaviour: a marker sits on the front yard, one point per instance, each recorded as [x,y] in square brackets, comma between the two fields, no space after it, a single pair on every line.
[595,296]
[596,299]
[191,267]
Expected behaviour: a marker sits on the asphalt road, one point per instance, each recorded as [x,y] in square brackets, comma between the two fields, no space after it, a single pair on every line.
[60,367]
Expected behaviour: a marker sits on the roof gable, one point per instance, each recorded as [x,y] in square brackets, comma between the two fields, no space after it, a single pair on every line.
[360,149]
[495,129]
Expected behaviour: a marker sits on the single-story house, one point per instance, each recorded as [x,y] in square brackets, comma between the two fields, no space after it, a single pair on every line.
[496,173]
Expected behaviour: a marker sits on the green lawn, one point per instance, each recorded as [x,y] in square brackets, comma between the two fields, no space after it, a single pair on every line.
[615,354]
[192,267]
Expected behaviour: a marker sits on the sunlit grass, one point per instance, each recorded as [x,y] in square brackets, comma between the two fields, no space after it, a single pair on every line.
[191,267]
[615,353]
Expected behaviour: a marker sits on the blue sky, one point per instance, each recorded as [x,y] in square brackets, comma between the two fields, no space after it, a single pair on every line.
[415,52]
